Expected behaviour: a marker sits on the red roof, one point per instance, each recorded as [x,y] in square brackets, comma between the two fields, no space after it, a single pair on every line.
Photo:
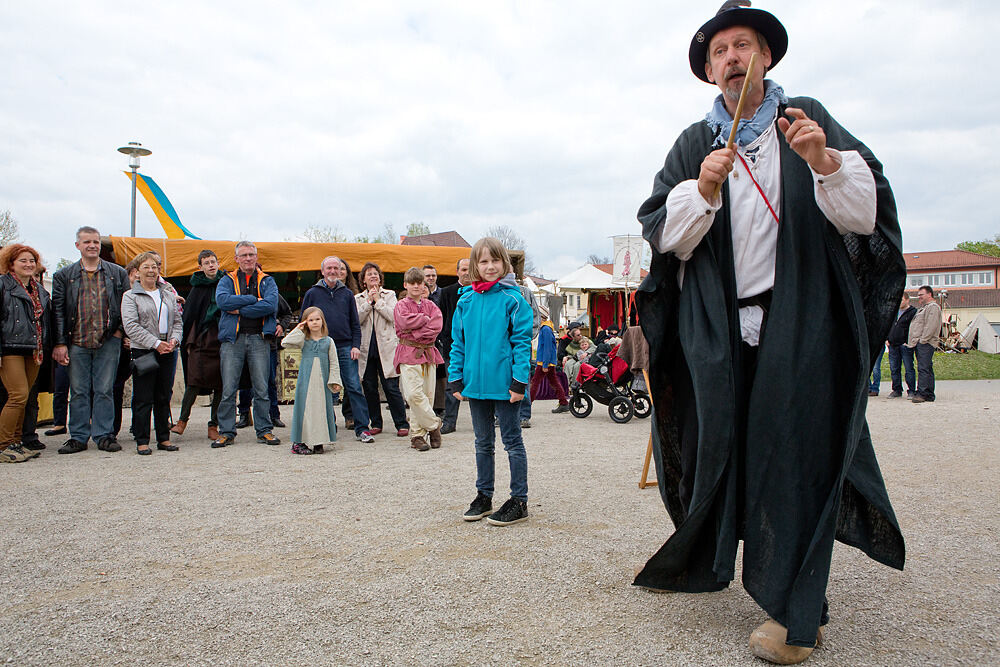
[610,268]
[947,259]
[450,239]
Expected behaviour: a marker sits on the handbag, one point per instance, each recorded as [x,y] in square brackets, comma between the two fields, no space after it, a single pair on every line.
[145,363]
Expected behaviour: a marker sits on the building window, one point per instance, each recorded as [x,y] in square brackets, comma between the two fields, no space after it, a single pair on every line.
[578,302]
[985,278]
[933,280]
[950,279]
[968,279]
[916,281]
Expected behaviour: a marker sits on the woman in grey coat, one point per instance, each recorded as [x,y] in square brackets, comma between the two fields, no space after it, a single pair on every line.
[153,326]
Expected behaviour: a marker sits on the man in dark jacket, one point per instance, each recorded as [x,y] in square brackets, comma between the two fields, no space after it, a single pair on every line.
[898,352]
[341,312]
[776,273]
[86,307]
[447,303]
[248,300]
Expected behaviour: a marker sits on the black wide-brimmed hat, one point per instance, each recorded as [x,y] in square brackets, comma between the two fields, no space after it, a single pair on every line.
[732,13]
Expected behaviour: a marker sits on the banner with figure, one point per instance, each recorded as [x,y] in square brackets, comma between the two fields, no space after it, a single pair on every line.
[628,249]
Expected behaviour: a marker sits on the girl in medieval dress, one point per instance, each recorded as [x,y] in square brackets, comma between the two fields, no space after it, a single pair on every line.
[313,418]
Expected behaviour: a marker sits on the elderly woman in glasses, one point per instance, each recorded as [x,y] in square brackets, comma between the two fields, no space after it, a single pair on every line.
[153,325]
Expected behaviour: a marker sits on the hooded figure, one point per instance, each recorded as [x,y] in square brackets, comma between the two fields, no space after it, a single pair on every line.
[765,307]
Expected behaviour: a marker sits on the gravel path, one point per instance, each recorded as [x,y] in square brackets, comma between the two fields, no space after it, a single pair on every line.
[253,555]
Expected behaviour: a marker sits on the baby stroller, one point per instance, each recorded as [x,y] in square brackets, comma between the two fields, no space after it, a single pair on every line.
[608,380]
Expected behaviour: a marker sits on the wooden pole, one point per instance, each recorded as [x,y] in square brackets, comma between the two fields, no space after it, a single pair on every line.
[739,111]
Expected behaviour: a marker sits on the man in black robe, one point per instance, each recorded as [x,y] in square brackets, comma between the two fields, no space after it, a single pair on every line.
[765,307]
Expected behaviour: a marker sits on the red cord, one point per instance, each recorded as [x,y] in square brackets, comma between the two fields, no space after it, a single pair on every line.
[775,215]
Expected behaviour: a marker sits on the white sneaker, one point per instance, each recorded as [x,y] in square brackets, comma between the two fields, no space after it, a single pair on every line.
[365,436]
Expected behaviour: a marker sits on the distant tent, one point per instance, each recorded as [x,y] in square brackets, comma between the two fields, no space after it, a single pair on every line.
[985,334]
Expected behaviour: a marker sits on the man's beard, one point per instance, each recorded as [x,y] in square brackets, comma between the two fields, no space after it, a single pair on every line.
[733,91]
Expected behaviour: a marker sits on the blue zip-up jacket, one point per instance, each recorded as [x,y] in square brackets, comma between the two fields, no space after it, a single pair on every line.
[491,342]
[227,297]
[340,310]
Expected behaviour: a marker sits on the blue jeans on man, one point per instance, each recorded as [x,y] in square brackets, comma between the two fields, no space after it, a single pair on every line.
[351,381]
[876,377]
[901,354]
[255,351]
[91,381]
[925,370]
[506,413]
[246,395]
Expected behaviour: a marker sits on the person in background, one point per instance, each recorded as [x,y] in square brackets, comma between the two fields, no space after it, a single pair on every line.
[200,348]
[490,360]
[449,299]
[286,320]
[378,349]
[546,366]
[418,323]
[86,306]
[25,337]
[899,353]
[536,309]
[314,421]
[441,381]
[341,314]
[925,335]
[154,329]
[248,299]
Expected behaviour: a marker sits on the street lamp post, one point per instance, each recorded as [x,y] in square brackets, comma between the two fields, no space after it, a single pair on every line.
[134,150]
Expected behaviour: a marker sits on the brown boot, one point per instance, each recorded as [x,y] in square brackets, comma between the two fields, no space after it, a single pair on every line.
[213,433]
[768,643]
[435,437]
[179,427]
[418,443]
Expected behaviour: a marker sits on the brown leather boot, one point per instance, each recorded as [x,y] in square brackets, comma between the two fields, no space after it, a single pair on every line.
[435,437]
[418,443]
[179,427]
[213,433]
[768,643]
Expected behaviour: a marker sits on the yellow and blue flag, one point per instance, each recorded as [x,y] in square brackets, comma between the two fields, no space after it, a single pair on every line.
[162,208]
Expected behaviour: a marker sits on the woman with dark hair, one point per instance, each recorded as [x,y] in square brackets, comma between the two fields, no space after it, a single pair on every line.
[378,348]
[25,337]
[153,326]
[348,278]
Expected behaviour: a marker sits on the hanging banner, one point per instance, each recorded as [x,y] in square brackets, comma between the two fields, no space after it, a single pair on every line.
[628,251]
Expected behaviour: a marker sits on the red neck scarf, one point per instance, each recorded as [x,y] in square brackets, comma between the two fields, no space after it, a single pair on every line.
[36,304]
[481,286]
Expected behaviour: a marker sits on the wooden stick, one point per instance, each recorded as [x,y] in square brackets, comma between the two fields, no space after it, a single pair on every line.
[739,111]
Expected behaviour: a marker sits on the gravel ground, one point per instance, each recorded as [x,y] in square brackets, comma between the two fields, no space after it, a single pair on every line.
[253,555]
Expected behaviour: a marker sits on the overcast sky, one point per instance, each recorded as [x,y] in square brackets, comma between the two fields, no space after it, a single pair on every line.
[549,117]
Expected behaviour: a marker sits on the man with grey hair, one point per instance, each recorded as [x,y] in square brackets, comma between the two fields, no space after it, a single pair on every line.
[86,305]
[248,301]
[340,310]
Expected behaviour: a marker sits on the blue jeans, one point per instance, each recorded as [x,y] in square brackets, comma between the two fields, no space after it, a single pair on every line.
[351,382]
[525,411]
[91,380]
[255,352]
[451,405]
[246,397]
[876,377]
[897,354]
[506,413]
[925,370]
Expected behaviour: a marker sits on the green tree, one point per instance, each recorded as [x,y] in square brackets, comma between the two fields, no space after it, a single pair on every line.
[417,229]
[989,247]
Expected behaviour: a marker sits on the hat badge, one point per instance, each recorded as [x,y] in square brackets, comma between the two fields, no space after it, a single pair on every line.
[700,37]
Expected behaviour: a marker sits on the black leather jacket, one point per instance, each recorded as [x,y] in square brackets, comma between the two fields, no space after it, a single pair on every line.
[17,328]
[66,293]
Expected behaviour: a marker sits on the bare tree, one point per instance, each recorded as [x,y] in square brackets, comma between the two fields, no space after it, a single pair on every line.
[9,229]
[389,234]
[598,259]
[513,241]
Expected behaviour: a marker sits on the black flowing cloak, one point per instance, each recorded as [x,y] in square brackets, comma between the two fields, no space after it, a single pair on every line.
[798,469]
[199,300]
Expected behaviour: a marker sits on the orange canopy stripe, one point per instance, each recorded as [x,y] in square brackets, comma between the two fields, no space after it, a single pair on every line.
[180,256]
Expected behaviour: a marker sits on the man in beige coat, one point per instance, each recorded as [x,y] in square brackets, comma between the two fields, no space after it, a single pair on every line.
[378,347]
[925,331]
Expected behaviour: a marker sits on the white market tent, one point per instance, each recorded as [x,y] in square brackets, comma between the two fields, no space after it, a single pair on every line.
[988,334]
[588,277]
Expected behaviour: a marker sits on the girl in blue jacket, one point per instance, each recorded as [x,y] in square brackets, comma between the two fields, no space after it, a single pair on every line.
[489,366]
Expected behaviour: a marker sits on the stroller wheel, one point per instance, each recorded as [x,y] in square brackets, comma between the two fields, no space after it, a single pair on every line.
[641,404]
[580,404]
[620,409]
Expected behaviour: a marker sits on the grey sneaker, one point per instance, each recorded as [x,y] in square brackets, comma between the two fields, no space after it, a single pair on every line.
[13,454]
[479,508]
[525,423]
[512,511]
[365,436]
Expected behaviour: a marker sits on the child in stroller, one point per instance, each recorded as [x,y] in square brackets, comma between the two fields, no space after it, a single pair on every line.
[606,378]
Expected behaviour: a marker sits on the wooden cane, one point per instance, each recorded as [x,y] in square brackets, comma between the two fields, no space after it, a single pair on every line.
[739,111]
